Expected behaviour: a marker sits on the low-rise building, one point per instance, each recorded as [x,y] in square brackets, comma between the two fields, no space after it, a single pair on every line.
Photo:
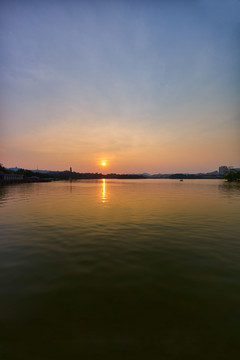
[10,177]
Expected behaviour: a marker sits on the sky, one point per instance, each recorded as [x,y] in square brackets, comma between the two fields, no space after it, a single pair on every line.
[146,86]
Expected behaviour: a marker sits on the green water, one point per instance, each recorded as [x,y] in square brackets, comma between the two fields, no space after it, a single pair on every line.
[120,269]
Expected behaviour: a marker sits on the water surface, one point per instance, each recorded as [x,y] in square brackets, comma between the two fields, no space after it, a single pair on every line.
[120,269]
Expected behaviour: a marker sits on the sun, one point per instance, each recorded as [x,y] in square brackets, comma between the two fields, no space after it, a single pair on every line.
[103,162]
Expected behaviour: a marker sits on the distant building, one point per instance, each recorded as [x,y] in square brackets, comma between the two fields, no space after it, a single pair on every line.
[223,170]
[70,169]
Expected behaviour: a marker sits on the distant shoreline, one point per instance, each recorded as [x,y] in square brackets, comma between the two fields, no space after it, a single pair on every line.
[17,175]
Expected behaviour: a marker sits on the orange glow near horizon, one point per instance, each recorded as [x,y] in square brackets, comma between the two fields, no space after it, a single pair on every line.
[104,102]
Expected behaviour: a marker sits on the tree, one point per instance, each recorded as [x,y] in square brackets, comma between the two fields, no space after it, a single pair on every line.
[233,176]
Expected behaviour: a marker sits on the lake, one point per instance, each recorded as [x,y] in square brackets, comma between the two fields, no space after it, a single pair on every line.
[120,269]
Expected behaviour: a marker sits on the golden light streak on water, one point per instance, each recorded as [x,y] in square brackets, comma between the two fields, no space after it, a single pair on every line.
[103,190]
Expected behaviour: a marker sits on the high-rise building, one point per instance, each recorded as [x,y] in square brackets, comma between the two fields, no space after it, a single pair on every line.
[223,170]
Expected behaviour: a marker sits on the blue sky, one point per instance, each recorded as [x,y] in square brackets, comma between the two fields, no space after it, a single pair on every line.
[147,85]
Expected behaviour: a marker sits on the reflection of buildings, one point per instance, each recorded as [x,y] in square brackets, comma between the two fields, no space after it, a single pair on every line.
[229,188]
[223,170]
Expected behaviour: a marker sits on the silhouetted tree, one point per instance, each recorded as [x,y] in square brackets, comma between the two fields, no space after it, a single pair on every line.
[233,176]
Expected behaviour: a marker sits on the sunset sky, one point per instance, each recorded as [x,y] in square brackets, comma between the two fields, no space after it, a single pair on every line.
[146,86]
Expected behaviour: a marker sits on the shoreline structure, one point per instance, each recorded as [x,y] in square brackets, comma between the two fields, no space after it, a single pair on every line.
[16,175]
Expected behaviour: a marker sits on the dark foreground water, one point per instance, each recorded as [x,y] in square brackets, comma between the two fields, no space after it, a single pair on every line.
[120,269]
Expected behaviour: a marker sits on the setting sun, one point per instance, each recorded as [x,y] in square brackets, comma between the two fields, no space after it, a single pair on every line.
[103,163]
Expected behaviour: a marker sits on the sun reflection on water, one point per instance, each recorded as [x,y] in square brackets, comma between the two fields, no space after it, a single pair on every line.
[103,190]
